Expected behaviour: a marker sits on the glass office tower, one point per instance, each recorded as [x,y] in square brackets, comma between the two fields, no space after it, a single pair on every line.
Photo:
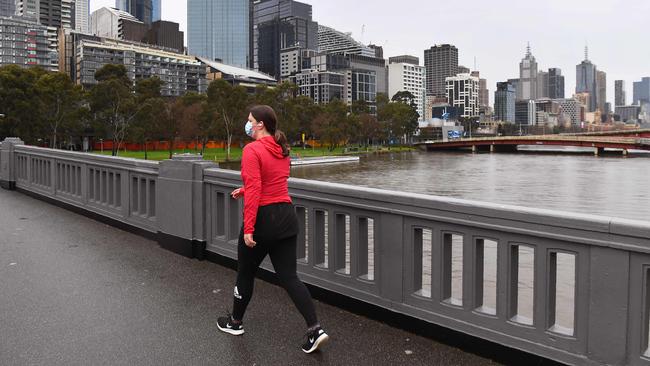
[141,9]
[277,25]
[219,30]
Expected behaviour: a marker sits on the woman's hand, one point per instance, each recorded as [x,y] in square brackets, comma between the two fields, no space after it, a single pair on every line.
[248,239]
[237,193]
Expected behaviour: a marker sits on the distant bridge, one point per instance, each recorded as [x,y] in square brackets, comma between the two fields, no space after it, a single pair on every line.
[644,132]
[509,143]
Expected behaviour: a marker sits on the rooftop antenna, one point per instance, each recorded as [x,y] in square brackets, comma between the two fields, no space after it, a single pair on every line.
[586,52]
[528,49]
[475,69]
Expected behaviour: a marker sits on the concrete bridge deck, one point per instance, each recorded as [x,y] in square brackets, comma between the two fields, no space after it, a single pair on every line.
[78,292]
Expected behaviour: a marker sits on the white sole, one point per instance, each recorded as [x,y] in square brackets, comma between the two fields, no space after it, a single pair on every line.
[230,331]
[319,342]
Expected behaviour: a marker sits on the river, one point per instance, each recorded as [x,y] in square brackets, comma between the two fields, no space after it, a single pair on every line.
[610,185]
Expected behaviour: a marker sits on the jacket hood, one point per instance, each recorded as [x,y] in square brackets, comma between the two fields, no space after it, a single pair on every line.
[271,146]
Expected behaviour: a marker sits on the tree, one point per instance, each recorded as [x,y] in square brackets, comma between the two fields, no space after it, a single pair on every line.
[60,102]
[195,124]
[145,125]
[370,128]
[169,113]
[18,103]
[305,111]
[400,117]
[228,103]
[332,125]
[113,102]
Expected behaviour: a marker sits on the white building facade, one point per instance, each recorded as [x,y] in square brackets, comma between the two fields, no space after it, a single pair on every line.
[463,93]
[411,78]
[82,16]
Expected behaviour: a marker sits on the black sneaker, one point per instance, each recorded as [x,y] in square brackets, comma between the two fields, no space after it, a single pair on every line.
[315,339]
[225,324]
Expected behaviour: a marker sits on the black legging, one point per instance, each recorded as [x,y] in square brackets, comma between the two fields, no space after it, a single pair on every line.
[279,219]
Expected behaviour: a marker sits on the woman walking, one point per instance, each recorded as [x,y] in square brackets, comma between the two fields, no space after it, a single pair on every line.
[270,225]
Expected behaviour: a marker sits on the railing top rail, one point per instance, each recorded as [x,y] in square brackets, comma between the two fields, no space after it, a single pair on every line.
[128,163]
[414,204]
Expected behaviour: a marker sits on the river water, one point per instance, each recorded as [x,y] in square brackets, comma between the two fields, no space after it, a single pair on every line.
[610,185]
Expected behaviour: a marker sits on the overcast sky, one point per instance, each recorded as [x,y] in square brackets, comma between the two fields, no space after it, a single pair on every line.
[494,32]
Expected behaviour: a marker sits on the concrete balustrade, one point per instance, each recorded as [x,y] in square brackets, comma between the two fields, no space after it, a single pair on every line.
[456,263]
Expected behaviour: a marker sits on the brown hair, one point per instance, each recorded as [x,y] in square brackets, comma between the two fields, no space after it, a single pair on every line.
[266,114]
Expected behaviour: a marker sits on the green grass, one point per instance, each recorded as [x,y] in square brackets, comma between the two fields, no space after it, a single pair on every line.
[219,155]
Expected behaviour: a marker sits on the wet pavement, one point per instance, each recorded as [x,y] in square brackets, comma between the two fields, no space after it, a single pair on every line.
[74,291]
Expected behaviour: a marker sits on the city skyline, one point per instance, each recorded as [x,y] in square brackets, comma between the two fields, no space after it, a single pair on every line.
[557,38]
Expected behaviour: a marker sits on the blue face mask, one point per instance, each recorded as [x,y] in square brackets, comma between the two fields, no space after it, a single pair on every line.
[249,129]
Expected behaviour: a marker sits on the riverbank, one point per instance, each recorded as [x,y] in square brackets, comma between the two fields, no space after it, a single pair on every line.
[219,155]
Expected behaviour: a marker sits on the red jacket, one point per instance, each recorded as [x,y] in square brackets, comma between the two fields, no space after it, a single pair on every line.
[265,173]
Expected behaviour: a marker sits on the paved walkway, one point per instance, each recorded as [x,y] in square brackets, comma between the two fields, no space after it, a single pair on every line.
[74,291]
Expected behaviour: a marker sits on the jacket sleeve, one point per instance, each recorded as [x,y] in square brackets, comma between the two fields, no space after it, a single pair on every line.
[251,175]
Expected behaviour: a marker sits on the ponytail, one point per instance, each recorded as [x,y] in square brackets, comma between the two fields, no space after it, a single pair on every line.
[281,140]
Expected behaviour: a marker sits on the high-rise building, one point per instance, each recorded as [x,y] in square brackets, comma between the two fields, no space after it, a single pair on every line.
[82,16]
[619,93]
[364,76]
[546,112]
[515,84]
[525,112]
[56,13]
[527,88]
[504,102]
[374,65]
[156,11]
[440,62]
[462,93]
[555,84]
[30,9]
[404,59]
[463,69]
[26,43]
[407,77]
[321,86]
[628,112]
[641,92]
[141,9]
[601,84]
[219,30]
[280,24]
[332,41]
[166,34]
[586,81]
[542,84]
[68,14]
[483,92]
[50,13]
[117,24]
[180,73]
[379,50]
[570,111]
[293,60]
[7,8]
